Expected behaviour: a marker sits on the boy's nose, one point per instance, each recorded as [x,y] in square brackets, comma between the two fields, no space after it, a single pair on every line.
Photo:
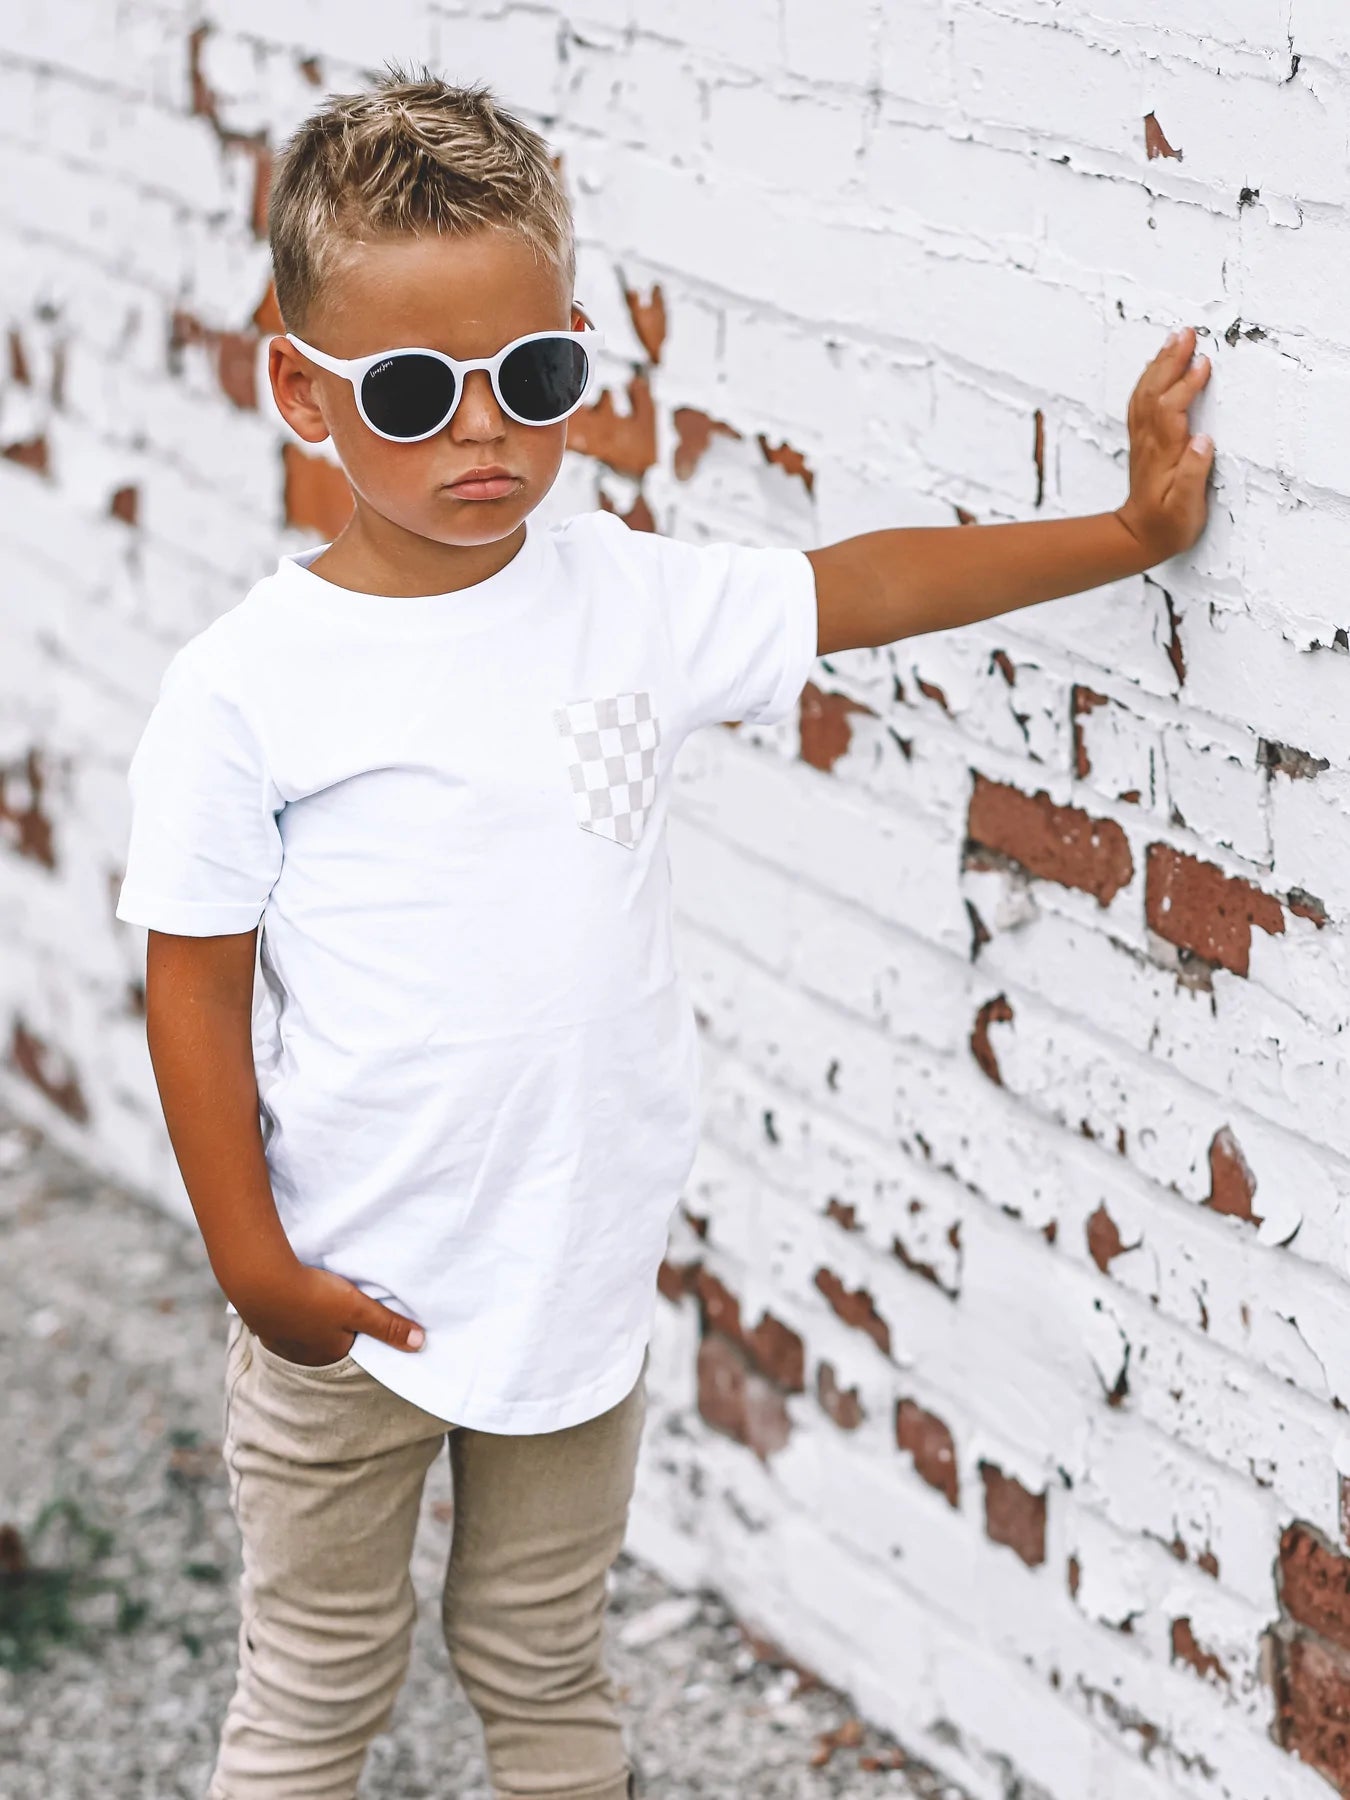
[478,414]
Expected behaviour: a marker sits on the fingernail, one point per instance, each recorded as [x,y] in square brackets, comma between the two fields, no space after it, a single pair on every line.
[1202,442]
[1171,338]
[415,1337]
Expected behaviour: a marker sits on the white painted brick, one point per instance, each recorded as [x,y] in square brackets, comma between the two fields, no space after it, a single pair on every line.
[638,94]
[785,140]
[1051,83]
[839,45]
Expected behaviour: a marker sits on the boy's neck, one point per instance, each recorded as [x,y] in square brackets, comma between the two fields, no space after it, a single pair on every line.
[373,555]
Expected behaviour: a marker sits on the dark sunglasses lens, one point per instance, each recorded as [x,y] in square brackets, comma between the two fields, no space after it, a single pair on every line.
[543,380]
[407,396]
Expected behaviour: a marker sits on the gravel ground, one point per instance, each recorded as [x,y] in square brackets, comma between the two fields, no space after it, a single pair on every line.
[119,1556]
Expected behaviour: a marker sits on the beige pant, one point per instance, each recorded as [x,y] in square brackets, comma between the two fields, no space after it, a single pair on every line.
[326,1468]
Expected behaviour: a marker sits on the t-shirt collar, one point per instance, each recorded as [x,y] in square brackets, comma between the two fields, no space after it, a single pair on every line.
[478,606]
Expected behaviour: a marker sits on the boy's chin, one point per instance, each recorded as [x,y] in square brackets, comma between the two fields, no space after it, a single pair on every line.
[462,524]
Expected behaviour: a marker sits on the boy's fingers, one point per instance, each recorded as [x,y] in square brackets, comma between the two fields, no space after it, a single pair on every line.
[390,1327]
[1167,364]
[1192,473]
[1183,391]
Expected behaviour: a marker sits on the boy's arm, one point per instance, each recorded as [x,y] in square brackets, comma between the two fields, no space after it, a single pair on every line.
[199,1006]
[884,585]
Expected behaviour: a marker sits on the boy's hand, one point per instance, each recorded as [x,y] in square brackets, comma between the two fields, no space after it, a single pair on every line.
[1165,512]
[313,1316]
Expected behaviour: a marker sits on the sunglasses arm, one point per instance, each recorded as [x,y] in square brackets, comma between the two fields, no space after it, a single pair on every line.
[334,364]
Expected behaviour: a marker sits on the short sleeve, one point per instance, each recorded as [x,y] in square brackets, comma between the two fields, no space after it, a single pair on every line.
[741,621]
[205,848]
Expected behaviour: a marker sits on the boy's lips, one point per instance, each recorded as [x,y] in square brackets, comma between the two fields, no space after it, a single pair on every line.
[483,484]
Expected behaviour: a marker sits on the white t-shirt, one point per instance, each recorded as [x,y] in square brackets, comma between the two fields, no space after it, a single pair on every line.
[476,1062]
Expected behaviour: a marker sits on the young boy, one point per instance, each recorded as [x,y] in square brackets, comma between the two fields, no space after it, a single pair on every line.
[435,1167]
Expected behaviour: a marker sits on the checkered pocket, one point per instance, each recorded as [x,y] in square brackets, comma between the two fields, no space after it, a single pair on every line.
[610,745]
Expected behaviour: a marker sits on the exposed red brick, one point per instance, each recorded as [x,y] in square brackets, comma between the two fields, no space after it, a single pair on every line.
[785,457]
[1005,665]
[637,518]
[262,185]
[855,1308]
[623,442]
[1306,906]
[317,497]
[1084,702]
[778,1353]
[23,823]
[1058,843]
[1185,1649]
[1195,906]
[1075,1575]
[1155,143]
[847,1216]
[125,505]
[931,691]
[204,103]
[719,1307]
[237,368]
[34,1059]
[1231,1182]
[234,354]
[1104,1241]
[18,362]
[267,317]
[721,1385]
[1313,1708]
[842,1405]
[1315,1584]
[694,431]
[1013,1515]
[649,320]
[312,70]
[29,453]
[963,517]
[735,1400]
[1038,455]
[924,1436]
[1209,1563]
[825,729]
[994,1012]
[674,1280]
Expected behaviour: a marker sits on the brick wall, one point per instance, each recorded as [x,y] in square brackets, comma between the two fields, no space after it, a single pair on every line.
[1004,1364]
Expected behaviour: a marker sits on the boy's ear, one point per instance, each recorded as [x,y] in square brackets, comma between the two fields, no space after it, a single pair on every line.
[295,390]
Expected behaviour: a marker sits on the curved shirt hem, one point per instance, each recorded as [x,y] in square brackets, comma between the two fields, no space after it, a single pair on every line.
[526,1418]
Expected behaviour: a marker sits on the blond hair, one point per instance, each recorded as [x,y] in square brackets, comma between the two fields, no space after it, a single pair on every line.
[411,154]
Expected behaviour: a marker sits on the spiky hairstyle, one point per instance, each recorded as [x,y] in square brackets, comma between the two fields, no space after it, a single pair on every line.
[412,154]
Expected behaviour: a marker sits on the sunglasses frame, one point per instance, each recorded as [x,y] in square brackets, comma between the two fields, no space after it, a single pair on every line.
[355,369]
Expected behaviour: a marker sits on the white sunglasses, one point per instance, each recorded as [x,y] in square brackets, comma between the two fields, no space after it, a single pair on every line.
[408,395]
